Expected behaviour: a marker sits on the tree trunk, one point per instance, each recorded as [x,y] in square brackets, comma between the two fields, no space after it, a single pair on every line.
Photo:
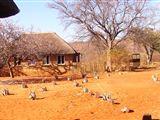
[149,57]
[109,65]
[149,52]
[10,70]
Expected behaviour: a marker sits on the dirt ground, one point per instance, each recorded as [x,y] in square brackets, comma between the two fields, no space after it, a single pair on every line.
[135,90]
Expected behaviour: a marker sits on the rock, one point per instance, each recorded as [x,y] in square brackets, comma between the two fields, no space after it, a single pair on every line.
[54,82]
[85,80]
[98,95]
[85,90]
[120,73]
[111,101]
[108,75]
[155,78]
[96,77]
[125,110]
[106,96]
[43,80]
[43,89]
[75,84]
[117,70]
[24,85]
[32,95]
[69,78]
[84,75]
[147,117]
[5,92]
[56,77]
[91,93]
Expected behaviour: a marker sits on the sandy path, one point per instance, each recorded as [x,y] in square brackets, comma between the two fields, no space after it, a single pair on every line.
[63,101]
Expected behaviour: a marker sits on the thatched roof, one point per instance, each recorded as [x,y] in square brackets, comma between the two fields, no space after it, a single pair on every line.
[47,43]
[88,50]
[8,8]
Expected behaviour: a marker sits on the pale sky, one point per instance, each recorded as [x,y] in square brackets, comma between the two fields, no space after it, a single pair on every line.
[43,19]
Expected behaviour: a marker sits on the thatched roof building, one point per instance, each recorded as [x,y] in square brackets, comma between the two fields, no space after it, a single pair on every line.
[47,43]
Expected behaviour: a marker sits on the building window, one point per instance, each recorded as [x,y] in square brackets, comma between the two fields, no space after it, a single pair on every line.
[76,58]
[136,56]
[60,59]
[47,60]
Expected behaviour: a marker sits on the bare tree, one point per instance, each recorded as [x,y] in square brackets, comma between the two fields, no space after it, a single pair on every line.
[9,37]
[104,20]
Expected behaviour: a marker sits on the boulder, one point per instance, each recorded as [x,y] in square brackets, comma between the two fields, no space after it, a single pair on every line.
[85,80]
[43,89]
[125,110]
[155,78]
[5,92]
[32,95]
[54,83]
[147,117]
[24,85]
[85,90]
[75,84]
[69,78]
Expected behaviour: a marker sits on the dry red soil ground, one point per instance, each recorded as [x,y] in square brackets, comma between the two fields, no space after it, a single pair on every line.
[135,90]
